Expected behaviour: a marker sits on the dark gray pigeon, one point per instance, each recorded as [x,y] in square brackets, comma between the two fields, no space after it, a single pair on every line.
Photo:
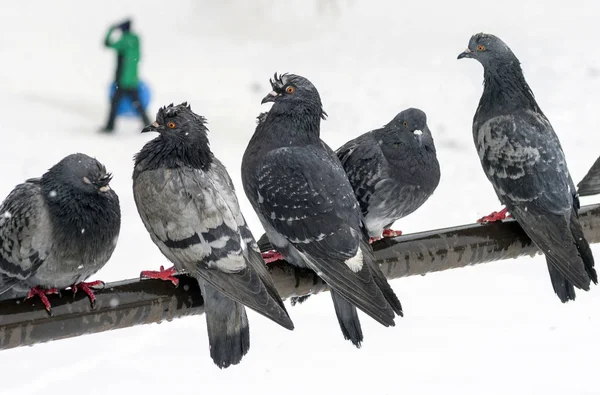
[524,161]
[58,230]
[305,202]
[590,185]
[188,204]
[393,170]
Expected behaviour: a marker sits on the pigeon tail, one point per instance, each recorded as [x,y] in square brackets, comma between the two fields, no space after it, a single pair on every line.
[563,288]
[590,184]
[227,324]
[347,316]
[379,277]
[583,246]
[247,287]
[561,239]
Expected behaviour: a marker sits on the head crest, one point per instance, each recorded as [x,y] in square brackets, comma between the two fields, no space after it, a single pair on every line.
[278,81]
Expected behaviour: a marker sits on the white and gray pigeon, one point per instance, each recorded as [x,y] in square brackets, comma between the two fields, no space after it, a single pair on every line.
[590,184]
[303,198]
[523,159]
[58,230]
[188,204]
[393,170]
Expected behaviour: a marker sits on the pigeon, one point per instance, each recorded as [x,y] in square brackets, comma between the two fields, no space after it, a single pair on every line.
[590,185]
[298,187]
[58,230]
[523,159]
[393,170]
[188,204]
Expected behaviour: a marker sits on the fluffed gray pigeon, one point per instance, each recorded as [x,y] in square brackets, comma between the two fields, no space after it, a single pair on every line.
[188,204]
[306,204]
[393,170]
[523,159]
[58,230]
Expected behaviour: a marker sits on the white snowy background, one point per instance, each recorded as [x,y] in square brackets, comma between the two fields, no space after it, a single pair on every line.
[493,329]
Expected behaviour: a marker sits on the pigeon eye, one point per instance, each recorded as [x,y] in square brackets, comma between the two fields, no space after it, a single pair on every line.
[480,48]
[171,125]
[290,89]
[405,123]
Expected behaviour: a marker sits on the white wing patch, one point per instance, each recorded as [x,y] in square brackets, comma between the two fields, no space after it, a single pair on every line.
[356,262]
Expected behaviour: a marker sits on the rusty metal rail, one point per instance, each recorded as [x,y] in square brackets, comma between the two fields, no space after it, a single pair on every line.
[133,302]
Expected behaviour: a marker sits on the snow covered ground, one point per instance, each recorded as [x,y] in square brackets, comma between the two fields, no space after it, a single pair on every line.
[493,329]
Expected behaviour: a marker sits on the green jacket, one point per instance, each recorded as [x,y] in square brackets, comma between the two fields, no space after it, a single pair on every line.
[128,49]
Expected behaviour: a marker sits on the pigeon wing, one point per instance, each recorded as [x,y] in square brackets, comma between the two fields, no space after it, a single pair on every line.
[304,195]
[190,221]
[365,167]
[25,234]
[524,161]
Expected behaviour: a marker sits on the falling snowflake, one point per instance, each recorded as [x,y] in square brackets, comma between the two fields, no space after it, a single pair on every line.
[114,302]
[82,231]
[80,267]
[52,194]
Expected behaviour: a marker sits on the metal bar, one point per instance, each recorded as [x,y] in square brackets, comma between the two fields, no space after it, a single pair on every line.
[133,302]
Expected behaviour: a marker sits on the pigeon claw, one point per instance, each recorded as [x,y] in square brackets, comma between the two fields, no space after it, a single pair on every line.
[86,288]
[272,256]
[162,274]
[374,239]
[391,233]
[387,233]
[41,293]
[494,216]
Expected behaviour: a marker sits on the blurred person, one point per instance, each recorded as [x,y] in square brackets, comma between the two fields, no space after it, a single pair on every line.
[126,75]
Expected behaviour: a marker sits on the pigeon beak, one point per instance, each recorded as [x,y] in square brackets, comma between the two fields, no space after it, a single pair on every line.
[153,127]
[270,97]
[467,53]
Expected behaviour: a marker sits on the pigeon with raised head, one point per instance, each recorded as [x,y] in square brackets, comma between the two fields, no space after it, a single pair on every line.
[306,204]
[58,230]
[393,170]
[590,184]
[188,204]
[523,159]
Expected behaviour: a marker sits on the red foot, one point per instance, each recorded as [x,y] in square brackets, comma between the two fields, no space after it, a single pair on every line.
[272,256]
[162,274]
[391,233]
[87,289]
[386,233]
[494,216]
[37,291]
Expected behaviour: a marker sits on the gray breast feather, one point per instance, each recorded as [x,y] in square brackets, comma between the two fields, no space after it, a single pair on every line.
[188,217]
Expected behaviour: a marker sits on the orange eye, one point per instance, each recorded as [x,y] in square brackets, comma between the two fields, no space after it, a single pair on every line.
[171,125]
[290,89]
[480,48]
[405,123]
